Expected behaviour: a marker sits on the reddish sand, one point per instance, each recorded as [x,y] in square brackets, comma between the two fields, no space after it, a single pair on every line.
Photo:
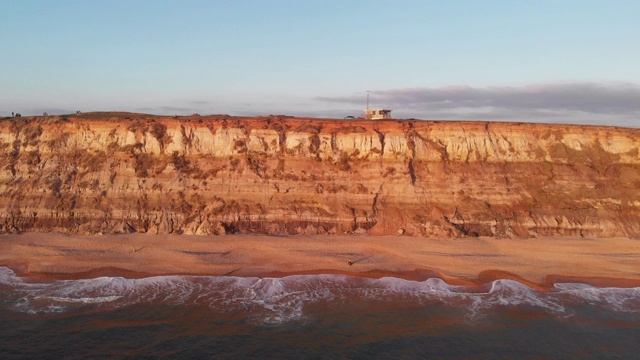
[538,262]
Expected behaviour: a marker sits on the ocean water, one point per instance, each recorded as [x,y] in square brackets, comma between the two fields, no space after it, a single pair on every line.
[312,316]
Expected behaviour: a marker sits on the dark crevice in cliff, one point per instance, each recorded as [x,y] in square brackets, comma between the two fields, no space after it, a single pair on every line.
[374,205]
[314,145]
[436,145]
[381,138]
[159,131]
[187,139]
[490,137]
[412,172]
[282,137]
[257,162]
[354,216]
[411,144]
[13,157]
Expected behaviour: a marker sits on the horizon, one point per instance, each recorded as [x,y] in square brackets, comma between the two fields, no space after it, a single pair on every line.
[112,114]
[572,62]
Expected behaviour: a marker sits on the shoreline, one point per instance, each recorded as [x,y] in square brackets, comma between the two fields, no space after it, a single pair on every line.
[538,263]
[478,284]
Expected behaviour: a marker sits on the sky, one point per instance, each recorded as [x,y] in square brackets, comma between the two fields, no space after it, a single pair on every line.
[567,61]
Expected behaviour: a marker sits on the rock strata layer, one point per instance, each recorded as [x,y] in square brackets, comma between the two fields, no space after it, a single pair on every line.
[124,173]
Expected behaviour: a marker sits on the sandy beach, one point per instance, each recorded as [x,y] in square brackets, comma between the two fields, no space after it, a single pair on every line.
[538,262]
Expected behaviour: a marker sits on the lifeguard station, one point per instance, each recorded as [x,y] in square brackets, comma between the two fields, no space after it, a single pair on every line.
[377,114]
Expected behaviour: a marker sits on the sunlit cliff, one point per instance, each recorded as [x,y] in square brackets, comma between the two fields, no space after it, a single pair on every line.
[119,172]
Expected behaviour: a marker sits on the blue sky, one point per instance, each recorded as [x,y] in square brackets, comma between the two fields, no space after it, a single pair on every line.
[550,61]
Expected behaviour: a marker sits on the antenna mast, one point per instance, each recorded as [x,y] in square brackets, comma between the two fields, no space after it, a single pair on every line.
[368,91]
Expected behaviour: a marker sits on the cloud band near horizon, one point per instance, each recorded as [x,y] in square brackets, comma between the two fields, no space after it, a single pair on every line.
[598,100]
[616,104]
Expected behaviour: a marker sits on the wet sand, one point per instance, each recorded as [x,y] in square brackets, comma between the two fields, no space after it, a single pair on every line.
[537,262]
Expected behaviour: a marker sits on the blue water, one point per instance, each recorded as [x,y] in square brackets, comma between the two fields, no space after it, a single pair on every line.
[312,316]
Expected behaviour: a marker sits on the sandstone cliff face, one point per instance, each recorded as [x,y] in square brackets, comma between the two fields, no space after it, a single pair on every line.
[115,173]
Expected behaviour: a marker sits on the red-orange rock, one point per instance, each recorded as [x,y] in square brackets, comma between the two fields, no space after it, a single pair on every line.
[120,172]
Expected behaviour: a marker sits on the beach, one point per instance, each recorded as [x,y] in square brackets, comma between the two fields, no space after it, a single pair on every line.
[355,296]
[536,262]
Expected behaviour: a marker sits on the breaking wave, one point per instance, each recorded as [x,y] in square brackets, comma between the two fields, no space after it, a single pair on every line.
[278,300]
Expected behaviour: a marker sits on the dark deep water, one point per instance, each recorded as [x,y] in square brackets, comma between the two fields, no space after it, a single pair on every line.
[312,316]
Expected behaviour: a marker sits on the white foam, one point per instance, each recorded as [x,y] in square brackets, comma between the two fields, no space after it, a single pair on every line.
[277,300]
[617,299]
[83,300]
[512,293]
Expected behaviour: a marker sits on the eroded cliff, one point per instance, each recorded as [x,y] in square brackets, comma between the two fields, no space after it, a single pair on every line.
[119,172]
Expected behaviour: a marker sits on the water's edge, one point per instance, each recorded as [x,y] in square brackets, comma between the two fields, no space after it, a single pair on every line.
[278,300]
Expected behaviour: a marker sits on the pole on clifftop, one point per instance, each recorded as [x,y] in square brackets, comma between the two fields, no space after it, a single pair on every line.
[368,100]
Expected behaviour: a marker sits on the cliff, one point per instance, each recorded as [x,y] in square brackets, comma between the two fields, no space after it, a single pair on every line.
[121,172]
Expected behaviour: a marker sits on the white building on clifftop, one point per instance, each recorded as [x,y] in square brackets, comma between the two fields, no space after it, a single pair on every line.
[377,114]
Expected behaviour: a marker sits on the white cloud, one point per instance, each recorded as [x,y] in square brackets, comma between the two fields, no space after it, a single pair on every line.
[589,103]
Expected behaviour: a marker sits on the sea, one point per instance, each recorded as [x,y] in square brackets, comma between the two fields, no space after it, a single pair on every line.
[312,317]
